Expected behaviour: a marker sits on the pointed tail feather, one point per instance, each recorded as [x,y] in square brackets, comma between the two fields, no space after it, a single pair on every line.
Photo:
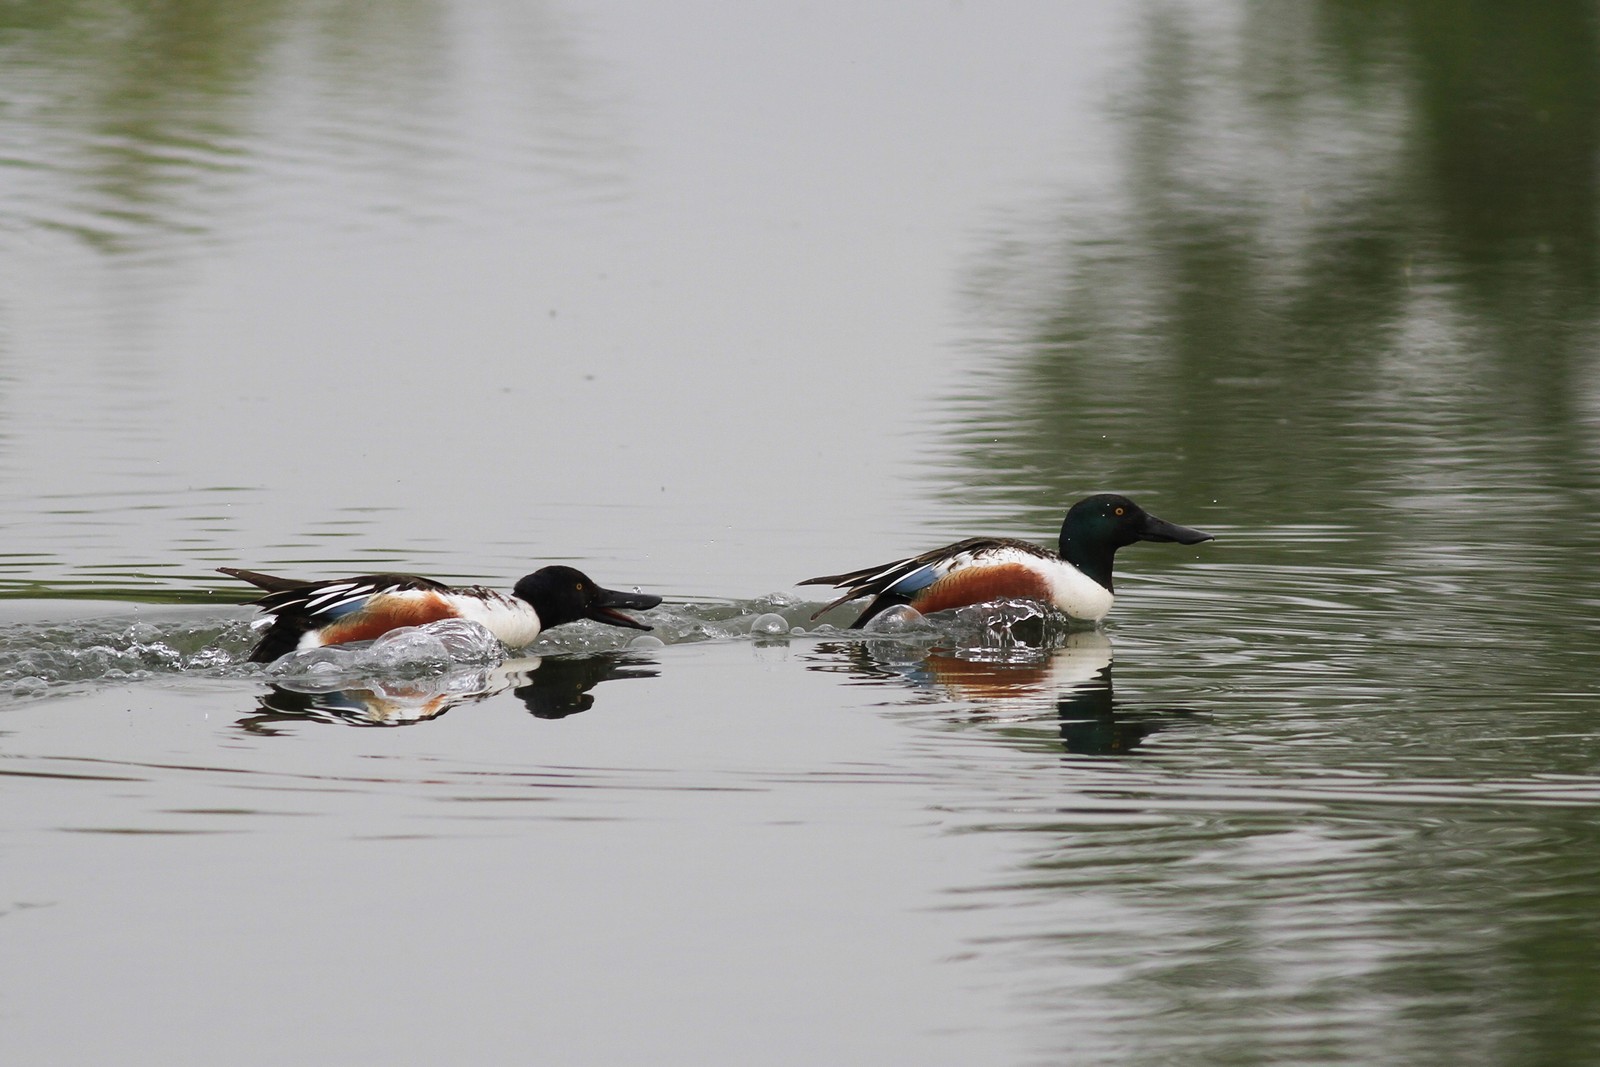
[868,581]
[853,578]
[269,582]
[853,594]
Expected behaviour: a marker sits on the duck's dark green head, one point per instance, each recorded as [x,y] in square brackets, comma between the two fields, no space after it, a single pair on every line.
[565,594]
[1097,526]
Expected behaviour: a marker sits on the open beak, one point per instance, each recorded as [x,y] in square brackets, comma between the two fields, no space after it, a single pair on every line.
[1161,530]
[603,605]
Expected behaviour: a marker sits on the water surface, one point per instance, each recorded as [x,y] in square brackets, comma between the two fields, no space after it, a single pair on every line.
[706,301]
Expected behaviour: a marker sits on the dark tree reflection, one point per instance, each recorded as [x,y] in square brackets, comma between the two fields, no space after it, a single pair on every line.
[1350,265]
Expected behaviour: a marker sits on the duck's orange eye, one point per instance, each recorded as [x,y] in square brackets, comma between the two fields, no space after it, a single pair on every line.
[1119,511]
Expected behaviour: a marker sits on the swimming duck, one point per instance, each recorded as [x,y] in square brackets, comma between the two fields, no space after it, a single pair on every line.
[1077,581]
[341,610]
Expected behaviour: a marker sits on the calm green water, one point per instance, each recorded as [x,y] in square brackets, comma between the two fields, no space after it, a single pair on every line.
[705,300]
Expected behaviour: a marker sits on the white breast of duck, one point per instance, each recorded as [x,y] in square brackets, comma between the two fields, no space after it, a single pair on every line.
[1065,587]
[510,619]
[1075,593]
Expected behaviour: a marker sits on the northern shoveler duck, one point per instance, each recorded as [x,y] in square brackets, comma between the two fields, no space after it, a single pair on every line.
[980,569]
[341,610]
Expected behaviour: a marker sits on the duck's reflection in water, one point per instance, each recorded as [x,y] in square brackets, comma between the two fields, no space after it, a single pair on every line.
[1071,679]
[1092,724]
[550,688]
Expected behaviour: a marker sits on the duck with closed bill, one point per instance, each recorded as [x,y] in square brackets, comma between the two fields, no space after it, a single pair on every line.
[1076,581]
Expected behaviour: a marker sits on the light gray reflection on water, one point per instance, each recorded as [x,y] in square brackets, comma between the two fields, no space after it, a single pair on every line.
[158,119]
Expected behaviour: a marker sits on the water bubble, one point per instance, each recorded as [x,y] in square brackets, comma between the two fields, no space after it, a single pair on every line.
[647,641]
[467,643]
[769,624]
[902,618]
[406,649]
[408,652]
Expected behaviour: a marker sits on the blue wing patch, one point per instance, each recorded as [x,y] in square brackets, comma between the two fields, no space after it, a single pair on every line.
[917,580]
[339,611]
